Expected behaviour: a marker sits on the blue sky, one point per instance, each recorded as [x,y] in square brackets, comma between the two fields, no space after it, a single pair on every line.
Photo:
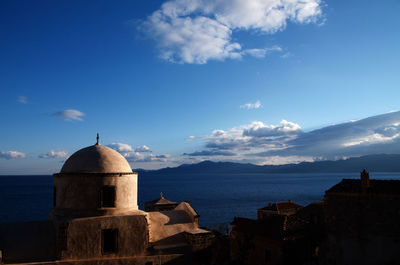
[181,81]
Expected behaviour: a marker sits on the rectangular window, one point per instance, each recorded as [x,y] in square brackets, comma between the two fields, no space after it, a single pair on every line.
[108,196]
[62,236]
[109,238]
[54,197]
[267,256]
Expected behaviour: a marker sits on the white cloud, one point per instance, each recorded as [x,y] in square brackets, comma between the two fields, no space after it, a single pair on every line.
[286,55]
[281,160]
[210,153]
[69,115]
[224,140]
[268,144]
[195,31]
[254,105]
[261,53]
[259,129]
[255,136]
[187,40]
[190,138]
[22,100]
[11,155]
[120,147]
[140,154]
[138,157]
[142,149]
[54,154]
[373,138]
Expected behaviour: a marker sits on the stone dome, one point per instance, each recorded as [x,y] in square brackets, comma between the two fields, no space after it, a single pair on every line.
[96,159]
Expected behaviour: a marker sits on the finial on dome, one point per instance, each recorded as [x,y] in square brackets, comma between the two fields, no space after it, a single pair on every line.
[161,195]
[97,138]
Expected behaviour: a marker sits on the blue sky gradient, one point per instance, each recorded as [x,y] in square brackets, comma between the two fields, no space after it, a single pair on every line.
[99,58]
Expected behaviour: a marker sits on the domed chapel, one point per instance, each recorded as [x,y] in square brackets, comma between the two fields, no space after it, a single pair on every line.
[95,217]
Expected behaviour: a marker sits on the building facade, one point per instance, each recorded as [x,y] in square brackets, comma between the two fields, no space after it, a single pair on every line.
[362,222]
[95,219]
[358,222]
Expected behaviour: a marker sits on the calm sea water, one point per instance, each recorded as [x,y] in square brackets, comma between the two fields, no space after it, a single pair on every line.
[217,198]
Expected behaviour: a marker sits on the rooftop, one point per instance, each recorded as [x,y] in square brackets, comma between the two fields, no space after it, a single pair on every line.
[281,206]
[375,187]
[161,201]
[96,159]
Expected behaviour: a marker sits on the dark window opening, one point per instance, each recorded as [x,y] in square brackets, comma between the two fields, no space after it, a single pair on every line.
[108,196]
[62,236]
[267,256]
[109,238]
[54,197]
[149,263]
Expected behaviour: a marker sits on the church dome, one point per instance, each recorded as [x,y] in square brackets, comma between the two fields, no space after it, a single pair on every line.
[96,159]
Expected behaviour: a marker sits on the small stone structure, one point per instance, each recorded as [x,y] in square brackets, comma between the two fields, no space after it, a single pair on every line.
[96,219]
[358,222]
[278,208]
[363,222]
[278,236]
[160,204]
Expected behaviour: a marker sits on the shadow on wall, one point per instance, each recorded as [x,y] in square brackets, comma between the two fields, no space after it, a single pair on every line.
[28,241]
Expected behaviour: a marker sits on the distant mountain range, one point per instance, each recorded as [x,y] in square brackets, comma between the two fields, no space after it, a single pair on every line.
[373,163]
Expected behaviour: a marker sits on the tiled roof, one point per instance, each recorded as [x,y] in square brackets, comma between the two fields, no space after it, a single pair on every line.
[281,206]
[162,201]
[375,187]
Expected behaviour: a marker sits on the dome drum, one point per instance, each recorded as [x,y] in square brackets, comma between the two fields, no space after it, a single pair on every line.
[89,195]
[95,181]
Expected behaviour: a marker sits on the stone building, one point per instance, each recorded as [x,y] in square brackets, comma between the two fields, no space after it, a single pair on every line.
[363,222]
[358,222]
[283,233]
[278,208]
[96,219]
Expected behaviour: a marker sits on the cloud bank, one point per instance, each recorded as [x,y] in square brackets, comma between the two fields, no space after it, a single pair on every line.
[137,157]
[287,142]
[143,149]
[210,153]
[139,154]
[196,31]
[54,154]
[11,155]
[69,115]
[120,147]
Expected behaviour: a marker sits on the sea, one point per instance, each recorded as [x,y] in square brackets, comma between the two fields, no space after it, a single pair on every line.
[218,198]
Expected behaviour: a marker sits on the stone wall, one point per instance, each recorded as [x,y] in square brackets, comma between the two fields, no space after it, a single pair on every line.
[27,241]
[255,249]
[363,214]
[362,228]
[80,194]
[84,237]
[171,259]
[199,241]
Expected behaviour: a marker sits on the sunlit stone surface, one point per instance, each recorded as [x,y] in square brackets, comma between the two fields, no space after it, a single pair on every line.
[95,216]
